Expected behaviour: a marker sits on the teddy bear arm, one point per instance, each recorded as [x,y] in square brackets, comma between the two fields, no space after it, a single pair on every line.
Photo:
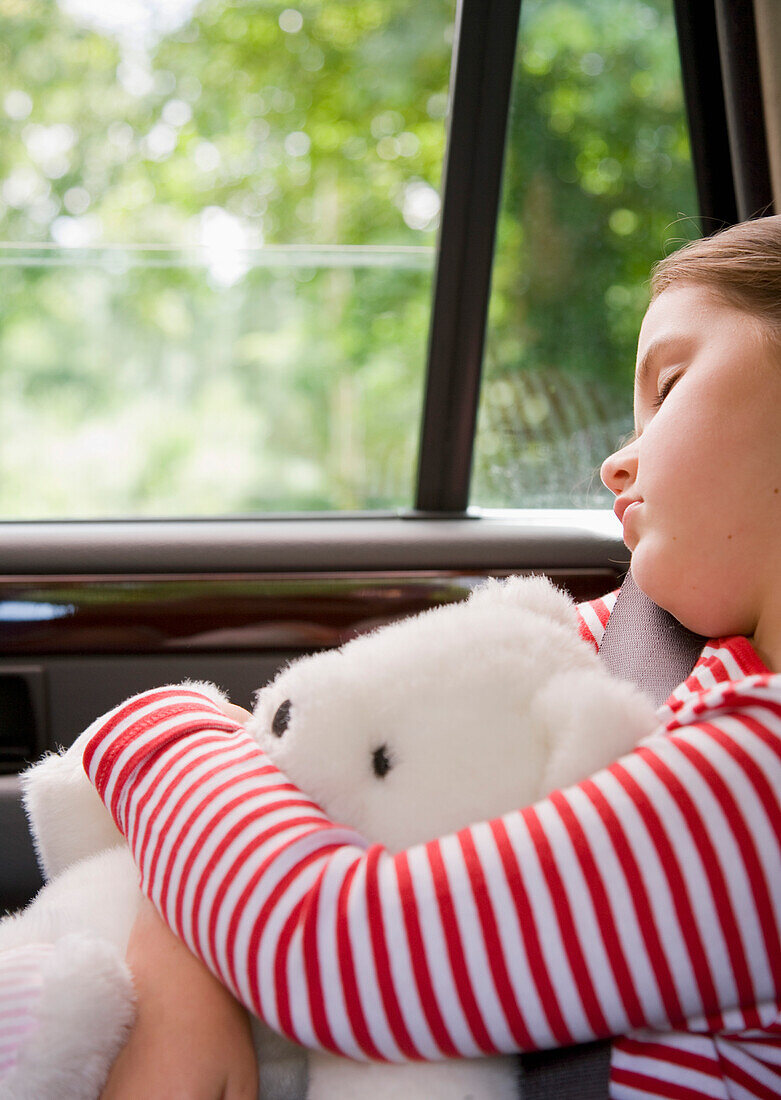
[79,1006]
[592,720]
[66,817]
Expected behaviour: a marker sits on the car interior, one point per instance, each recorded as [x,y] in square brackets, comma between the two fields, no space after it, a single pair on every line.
[99,603]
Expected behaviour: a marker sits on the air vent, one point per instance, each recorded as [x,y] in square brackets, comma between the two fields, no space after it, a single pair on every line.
[21,717]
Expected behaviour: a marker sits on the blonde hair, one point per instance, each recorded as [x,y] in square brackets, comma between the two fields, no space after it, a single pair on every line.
[741,264]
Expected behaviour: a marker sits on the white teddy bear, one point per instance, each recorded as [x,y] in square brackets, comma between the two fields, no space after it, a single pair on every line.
[413,731]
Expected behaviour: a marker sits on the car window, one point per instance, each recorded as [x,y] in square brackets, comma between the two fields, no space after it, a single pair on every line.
[218,228]
[218,225]
[598,184]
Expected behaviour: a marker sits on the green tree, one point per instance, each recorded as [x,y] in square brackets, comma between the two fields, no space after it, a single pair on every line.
[598,186]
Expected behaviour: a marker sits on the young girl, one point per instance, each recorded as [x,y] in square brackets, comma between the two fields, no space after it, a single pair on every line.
[644,904]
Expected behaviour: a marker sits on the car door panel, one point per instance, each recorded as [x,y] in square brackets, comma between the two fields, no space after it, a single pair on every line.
[90,614]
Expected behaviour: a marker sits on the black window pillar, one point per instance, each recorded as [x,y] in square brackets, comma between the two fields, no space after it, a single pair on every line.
[481,84]
[720,69]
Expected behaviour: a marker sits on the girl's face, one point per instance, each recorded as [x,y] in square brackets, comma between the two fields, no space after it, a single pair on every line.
[699,486]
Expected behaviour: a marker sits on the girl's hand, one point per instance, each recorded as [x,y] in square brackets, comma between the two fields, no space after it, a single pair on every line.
[191,1039]
[239,714]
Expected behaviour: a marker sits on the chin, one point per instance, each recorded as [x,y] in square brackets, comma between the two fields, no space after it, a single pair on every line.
[662,583]
[700,607]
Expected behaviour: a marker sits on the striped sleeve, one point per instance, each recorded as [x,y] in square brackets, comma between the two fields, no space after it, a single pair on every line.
[593,617]
[646,897]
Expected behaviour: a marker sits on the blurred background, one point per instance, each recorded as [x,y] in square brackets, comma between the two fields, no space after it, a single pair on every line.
[218,224]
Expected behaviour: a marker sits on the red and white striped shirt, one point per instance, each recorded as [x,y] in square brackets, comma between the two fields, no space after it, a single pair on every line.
[645,902]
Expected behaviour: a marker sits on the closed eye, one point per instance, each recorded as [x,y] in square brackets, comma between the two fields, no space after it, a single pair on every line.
[664,390]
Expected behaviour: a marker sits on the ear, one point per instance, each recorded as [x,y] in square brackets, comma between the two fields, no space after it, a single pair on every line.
[534,593]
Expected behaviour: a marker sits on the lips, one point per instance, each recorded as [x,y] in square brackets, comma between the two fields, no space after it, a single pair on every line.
[623,503]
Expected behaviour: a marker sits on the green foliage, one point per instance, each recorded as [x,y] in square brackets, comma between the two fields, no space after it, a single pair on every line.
[219,232]
[598,186]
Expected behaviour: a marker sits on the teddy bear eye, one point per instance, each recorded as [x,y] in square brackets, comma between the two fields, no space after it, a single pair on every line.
[281,719]
[381,761]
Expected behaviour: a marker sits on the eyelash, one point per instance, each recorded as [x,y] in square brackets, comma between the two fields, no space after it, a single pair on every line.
[664,390]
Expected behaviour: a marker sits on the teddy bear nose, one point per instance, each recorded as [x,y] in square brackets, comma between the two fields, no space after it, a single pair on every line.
[281,719]
[381,761]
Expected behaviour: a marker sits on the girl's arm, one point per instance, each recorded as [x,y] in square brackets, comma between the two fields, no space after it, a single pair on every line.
[210,1054]
[191,1038]
[647,896]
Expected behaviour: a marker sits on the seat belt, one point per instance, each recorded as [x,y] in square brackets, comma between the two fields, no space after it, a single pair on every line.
[647,646]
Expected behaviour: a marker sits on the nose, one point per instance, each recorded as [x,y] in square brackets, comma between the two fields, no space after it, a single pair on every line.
[620,469]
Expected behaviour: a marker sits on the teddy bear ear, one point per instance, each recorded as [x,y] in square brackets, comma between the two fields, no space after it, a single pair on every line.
[535,593]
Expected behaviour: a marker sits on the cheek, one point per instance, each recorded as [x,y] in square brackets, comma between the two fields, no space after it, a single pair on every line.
[678,462]
[660,460]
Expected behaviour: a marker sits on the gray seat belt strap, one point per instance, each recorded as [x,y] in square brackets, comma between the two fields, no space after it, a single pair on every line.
[647,646]
[567,1073]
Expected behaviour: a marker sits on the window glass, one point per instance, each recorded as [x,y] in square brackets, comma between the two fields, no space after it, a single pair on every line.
[217,230]
[598,185]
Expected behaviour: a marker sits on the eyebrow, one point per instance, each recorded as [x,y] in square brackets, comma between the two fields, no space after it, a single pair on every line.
[654,349]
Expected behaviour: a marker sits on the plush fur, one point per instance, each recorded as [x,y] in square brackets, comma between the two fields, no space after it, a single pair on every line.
[86,1010]
[413,731]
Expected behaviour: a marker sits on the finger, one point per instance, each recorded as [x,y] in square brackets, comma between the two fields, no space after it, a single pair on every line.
[239,714]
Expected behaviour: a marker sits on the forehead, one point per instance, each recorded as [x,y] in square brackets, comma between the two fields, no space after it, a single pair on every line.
[679,310]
